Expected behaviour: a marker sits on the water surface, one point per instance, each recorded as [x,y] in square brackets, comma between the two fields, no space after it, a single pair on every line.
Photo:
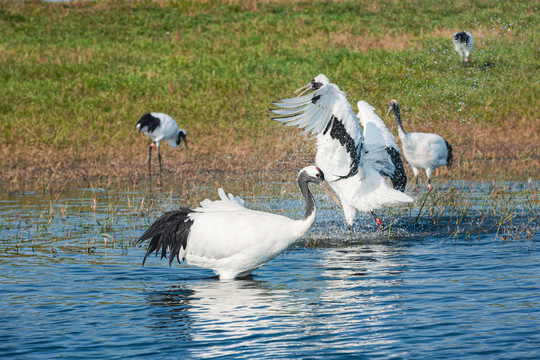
[360,295]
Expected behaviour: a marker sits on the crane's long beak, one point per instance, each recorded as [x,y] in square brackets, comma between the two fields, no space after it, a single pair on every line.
[185,142]
[304,89]
[330,192]
[389,110]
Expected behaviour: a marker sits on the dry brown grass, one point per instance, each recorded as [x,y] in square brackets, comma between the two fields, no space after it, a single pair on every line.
[509,151]
[393,42]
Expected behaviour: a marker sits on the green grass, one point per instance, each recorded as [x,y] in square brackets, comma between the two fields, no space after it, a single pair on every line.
[75,77]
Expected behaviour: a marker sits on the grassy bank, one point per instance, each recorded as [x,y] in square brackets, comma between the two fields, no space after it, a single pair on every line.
[75,78]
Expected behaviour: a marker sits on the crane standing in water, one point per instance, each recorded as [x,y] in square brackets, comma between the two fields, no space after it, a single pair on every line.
[227,237]
[352,171]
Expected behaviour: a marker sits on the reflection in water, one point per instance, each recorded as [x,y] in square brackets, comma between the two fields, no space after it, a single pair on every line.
[341,289]
[360,283]
[171,311]
[224,313]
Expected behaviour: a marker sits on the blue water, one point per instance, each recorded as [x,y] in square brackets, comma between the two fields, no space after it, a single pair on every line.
[411,297]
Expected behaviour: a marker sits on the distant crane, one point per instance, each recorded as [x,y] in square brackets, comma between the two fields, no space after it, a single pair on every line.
[464,44]
[228,238]
[422,150]
[159,127]
[353,172]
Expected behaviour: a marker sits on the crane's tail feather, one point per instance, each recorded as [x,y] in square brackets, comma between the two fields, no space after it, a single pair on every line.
[169,232]
[450,156]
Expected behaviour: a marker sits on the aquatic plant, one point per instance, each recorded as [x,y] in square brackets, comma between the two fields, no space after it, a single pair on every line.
[97,222]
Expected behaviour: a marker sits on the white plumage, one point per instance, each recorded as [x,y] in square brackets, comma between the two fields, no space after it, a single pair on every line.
[353,174]
[227,237]
[160,127]
[464,44]
[422,150]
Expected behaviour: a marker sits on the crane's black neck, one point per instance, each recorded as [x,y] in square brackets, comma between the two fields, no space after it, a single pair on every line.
[310,203]
[179,137]
[398,119]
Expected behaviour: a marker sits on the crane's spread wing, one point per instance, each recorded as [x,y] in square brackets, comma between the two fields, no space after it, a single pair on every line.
[325,111]
[382,149]
[377,139]
[375,131]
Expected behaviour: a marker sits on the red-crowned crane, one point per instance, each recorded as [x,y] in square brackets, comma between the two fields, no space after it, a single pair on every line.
[159,127]
[422,150]
[227,237]
[464,44]
[353,172]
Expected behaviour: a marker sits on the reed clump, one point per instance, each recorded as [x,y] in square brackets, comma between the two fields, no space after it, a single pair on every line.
[97,221]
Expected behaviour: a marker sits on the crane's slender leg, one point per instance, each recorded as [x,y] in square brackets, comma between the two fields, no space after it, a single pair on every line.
[159,158]
[150,159]
[377,220]
[416,172]
[428,173]
[351,232]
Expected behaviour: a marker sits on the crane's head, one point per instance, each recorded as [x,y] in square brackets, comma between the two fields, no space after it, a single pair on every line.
[392,106]
[181,136]
[316,83]
[315,175]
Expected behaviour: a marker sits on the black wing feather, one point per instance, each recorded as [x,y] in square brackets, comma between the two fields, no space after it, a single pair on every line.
[170,231]
[462,37]
[450,156]
[338,132]
[399,179]
[149,121]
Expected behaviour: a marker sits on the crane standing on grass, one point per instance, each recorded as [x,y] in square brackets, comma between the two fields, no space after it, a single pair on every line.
[464,44]
[159,127]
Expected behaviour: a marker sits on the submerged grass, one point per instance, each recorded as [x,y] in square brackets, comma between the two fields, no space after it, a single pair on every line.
[77,76]
[97,222]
